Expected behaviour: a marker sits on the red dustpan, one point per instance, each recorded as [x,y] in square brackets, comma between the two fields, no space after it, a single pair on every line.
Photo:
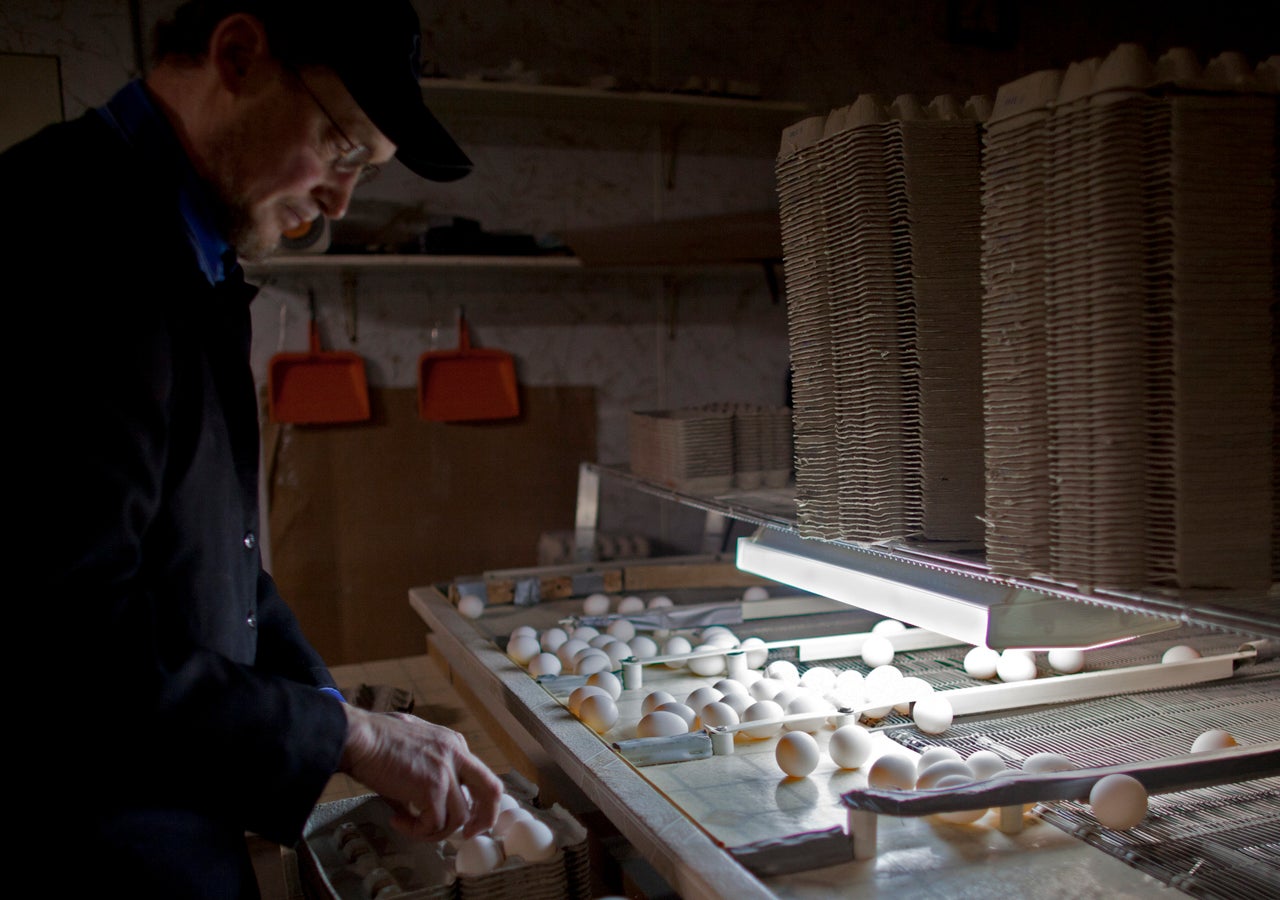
[319,387]
[468,384]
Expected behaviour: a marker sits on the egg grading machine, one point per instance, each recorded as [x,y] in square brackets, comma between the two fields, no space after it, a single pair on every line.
[717,825]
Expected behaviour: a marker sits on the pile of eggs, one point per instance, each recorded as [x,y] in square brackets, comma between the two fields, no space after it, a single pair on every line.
[1118,801]
[985,663]
[517,833]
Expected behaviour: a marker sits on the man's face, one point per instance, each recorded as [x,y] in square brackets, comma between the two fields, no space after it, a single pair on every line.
[274,162]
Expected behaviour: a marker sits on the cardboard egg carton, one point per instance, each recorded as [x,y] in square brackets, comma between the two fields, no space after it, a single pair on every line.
[349,851]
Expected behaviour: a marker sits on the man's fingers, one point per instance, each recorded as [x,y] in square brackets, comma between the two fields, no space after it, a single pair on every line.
[485,790]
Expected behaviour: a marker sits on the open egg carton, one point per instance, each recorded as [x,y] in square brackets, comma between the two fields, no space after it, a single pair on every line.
[566,874]
[350,851]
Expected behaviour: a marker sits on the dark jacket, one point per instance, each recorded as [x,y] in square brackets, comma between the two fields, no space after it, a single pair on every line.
[168,700]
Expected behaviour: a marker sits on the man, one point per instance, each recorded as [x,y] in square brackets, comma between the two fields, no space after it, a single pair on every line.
[172,703]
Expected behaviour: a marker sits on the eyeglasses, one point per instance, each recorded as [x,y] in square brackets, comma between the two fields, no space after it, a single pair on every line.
[352,158]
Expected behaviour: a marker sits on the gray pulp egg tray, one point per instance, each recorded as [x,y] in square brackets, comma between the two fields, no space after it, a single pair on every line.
[349,851]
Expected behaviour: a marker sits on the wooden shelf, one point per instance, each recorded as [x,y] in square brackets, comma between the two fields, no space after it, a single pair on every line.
[425,261]
[317,261]
[449,96]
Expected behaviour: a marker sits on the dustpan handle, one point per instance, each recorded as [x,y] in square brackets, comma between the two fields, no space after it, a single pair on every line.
[464,333]
[314,327]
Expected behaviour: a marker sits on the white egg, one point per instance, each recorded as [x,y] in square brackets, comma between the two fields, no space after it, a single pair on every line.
[877,707]
[700,697]
[760,711]
[585,633]
[730,686]
[888,626]
[479,855]
[600,641]
[739,702]
[1118,801]
[985,764]
[1213,739]
[621,629]
[552,638]
[717,714]
[850,684]
[784,697]
[531,839]
[959,816]
[720,636]
[783,670]
[507,818]
[680,709]
[568,649]
[643,646]
[1066,660]
[653,700]
[756,652]
[808,703]
[849,746]
[661,602]
[754,594]
[928,776]
[1016,665]
[591,661]
[506,801]
[1180,653]
[932,714]
[882,679]
[676,646]
[1043,762]
[797,753]
[523,648]
[607,680]
[820,678]
[877,650]
[931,755]
[910,689]
[523,629]
[661,723]
[765,688]
[706,666]
[981,662]
[618,651]
[471,606]
[893,770]
[630,606]
[596,605]
[598,712]
[545,664]
[580,693]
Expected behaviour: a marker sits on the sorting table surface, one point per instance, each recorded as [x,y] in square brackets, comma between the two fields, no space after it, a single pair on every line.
[686,817]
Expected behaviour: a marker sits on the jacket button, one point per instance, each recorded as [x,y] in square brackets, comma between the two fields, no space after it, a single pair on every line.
[252,620]
[250,541]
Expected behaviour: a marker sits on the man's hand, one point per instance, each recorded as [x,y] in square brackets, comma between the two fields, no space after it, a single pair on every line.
[425,771]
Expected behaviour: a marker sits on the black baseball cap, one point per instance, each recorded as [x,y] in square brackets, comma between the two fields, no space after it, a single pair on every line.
[375,48]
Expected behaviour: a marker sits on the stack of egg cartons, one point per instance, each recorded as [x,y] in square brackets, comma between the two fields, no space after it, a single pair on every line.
[880,219]
[761,444]
[688,448]
[1015,166]
[1129,269]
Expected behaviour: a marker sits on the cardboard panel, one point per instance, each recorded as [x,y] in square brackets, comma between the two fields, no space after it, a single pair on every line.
[361,513]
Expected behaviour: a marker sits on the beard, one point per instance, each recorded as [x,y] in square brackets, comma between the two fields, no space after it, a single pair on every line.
[252,239]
